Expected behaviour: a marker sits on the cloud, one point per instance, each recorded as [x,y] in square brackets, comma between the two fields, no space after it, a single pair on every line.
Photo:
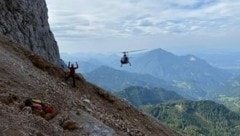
[129,15]
[97,19]
[192,4]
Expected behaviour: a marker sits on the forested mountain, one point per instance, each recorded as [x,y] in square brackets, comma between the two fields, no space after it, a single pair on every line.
[194,118]
[143,96]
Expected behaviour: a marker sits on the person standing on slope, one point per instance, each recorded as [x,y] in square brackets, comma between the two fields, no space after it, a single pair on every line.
[72,71]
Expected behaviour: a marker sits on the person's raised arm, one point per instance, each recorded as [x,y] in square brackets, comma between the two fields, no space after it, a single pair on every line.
[69,64]
[76,65]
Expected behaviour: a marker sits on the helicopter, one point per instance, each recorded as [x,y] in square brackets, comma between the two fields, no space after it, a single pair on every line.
[125,58]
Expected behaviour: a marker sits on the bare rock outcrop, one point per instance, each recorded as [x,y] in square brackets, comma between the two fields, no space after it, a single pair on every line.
[26,22]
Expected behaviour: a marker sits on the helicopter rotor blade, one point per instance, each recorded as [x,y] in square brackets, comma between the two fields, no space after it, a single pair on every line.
[134,51]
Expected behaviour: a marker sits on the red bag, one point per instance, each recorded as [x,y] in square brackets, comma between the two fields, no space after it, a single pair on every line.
[48,109]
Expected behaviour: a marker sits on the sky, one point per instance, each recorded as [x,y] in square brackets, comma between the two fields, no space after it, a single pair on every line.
[99,26]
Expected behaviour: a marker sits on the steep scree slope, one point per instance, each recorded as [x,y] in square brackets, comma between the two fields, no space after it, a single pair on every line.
[94,111]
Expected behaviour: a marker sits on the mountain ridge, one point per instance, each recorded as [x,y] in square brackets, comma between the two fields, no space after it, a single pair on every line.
[120,79]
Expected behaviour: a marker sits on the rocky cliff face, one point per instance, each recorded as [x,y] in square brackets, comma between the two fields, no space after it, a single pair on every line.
[26,22]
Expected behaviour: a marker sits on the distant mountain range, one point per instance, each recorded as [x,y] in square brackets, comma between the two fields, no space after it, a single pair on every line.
[187,75]
[117,80]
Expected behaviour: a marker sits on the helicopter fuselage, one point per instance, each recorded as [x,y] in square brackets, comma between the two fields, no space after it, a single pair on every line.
[125,60]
